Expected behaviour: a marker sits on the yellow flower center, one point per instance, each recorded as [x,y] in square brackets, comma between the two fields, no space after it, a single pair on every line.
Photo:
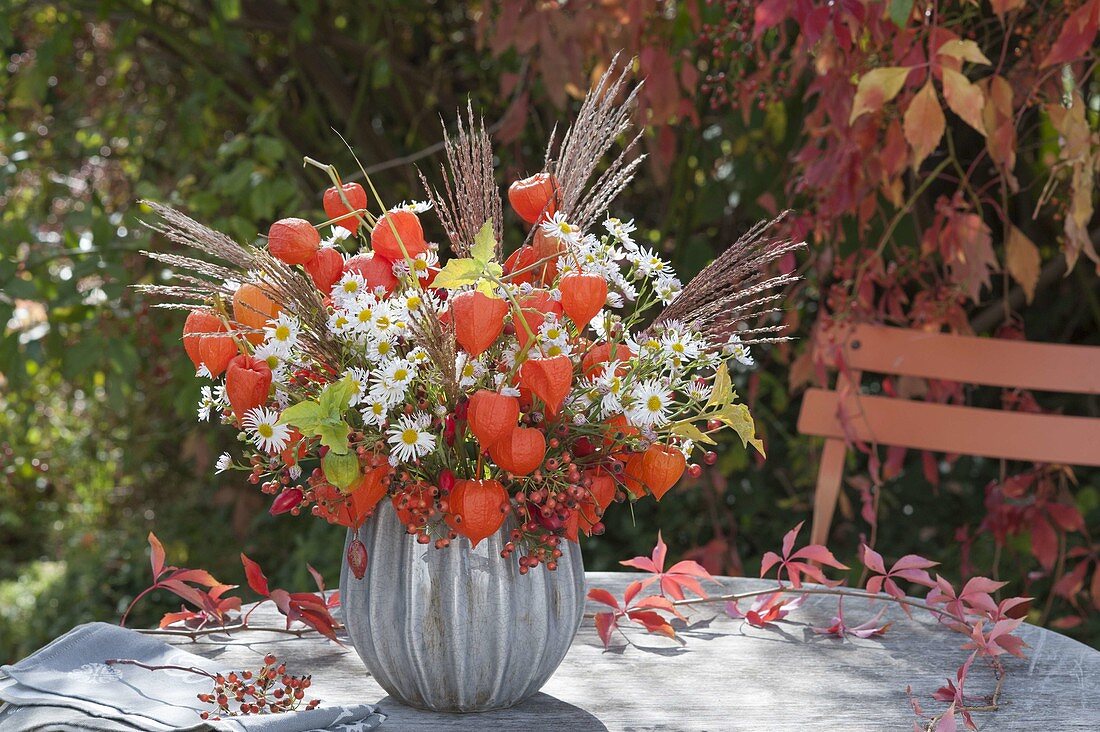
[468,370]
[413,302]
[654,403]
[410,436]
[678,347]
[351,286]
[400,375]
[272,361]
[282,333]
[365,315]
[554,350]
[384,347]
[265,431]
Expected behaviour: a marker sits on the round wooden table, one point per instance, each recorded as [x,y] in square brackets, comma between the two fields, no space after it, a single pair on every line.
[728,675]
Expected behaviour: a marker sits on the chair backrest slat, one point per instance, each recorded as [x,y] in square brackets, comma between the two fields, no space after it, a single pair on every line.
[1045,438]
[986,361]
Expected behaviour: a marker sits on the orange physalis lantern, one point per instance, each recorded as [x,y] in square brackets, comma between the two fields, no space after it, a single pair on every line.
[366,494]
[478,319]
[384,239]
[593,362]
[534,197]
[535,306]
[325,268]
[294,241]
[545,246]
[520,452]
[549,378]
[296,448]
[206,341]
[600,494]
[480,506]
[662,466]
[633,477]
[335,208]
[247,383]
[518,260]
[582,296]
[376,271]
[492,416]
[252,309]
[618,429]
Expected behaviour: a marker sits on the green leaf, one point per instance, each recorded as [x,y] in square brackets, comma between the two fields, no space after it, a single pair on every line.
[342,470]
[334,399]
[484,245]
[458,273]
[737,416]
[722,391]
[900,10]
[307,416]
[334,435]
[688,431]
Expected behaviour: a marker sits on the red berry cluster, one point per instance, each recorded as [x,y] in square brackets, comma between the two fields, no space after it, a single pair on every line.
[267,691]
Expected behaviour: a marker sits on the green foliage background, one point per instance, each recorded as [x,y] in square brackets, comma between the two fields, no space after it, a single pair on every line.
[210,106]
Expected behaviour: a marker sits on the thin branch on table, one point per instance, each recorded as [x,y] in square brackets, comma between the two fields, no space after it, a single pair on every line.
[199,632]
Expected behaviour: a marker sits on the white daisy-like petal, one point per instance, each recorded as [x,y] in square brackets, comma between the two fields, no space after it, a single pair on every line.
[262,426]
[649,405]
[223,463]
[409,438]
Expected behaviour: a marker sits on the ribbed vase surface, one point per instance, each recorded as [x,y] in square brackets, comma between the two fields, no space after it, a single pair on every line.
[458,629]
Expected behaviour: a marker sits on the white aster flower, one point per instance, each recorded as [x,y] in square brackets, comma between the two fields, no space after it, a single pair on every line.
[738,350]
[409,438]
[650,403]
[392,380]
[621,230]
[559,228]
[374,414]
[698,389]
[282,333]
[339,233]
[668,289]
[361,380]
[348,288]
[266,434]
[380,348]
[223,463]
[203,372]
[206,404]
[468,370]
[680,346]
[649,264]
[413,206]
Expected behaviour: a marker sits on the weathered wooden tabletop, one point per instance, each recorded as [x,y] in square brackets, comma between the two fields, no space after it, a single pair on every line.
[728,675]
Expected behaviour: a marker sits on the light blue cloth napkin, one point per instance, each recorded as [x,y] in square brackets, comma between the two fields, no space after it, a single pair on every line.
[66,686]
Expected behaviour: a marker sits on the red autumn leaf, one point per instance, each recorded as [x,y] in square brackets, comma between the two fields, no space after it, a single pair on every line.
[964,98]
[605,623]
[598,594]
[156,555]
[976,596]
[1044,541]
[911,568]
[255,576]
[998,641]
[797,564]
[1076,36]
[653,622]
[924,123]
[841,629]
[765,609]
[684,574]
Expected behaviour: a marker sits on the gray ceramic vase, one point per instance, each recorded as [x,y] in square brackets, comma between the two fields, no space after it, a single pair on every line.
[458,629]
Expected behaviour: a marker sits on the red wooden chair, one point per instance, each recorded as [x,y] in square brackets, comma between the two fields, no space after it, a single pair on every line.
[993,433]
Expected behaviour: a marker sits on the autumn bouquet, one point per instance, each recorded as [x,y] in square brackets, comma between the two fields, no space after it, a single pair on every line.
[542,372]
